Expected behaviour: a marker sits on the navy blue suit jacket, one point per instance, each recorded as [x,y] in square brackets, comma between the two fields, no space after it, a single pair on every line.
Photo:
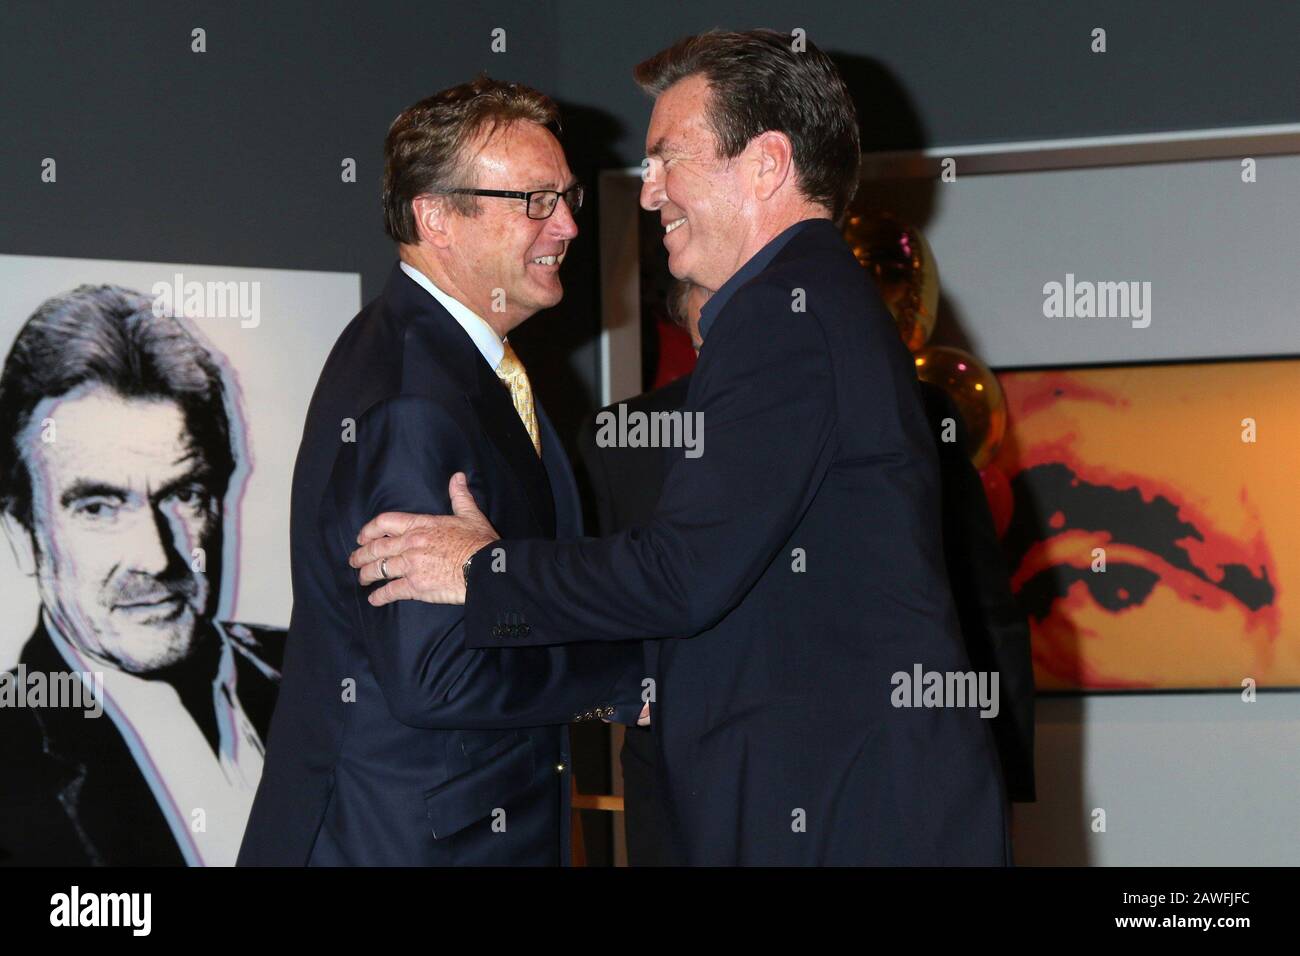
[392,741]
[779,743]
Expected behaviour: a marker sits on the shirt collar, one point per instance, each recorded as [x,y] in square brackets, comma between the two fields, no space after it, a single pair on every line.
[755,264]
[490,345]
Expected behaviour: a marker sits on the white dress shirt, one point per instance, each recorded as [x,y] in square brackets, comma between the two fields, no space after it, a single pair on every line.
[175,757]
[484,336]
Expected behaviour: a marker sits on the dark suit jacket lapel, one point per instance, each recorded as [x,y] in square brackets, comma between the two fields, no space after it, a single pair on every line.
[497,413]
[452,348]
[568,507]
[101,788]
[256,690]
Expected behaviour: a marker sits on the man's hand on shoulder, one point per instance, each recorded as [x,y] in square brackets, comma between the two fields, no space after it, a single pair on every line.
[422,555]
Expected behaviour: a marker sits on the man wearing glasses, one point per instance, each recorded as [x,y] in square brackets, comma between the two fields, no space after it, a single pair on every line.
[392,743]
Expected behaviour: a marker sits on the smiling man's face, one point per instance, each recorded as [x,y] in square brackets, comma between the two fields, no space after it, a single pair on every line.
[700,198]
[505,264]
[121,499]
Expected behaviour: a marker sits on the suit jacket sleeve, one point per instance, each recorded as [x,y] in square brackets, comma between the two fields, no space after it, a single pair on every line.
[995,628]
[628,694]
[1009,643]
[406,450]
[765,394]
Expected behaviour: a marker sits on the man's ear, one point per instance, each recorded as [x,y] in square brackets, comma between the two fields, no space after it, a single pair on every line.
[431,220]
[21,543]
[774,158]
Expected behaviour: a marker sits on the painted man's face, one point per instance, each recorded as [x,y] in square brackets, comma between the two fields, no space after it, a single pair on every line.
[1149,465]
[126,526]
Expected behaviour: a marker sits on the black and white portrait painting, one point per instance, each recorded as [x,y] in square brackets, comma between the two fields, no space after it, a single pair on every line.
[149,418]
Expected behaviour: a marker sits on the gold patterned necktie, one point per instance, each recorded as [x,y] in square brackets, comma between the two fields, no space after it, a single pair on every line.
[511,371]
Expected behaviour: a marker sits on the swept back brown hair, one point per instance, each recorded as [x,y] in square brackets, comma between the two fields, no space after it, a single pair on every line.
[426,149]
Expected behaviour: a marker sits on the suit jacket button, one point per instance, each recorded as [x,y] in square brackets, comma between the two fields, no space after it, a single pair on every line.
[559,768]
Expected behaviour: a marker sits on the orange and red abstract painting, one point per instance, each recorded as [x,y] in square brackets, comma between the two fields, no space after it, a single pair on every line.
[1154,539]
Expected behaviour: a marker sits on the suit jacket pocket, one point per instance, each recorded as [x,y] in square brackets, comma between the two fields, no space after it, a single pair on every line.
[501,772]
[480,746]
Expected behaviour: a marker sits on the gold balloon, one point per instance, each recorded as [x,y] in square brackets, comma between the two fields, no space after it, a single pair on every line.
[975,390]
[898,257]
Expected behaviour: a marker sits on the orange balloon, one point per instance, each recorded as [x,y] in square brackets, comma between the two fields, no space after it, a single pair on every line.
[899,259]
[975,390]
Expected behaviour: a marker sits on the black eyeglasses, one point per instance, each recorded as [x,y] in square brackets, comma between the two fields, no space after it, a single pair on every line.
[541,202]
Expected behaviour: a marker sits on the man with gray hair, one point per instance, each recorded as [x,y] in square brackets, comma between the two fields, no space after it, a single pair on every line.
[117,462]
[796,567]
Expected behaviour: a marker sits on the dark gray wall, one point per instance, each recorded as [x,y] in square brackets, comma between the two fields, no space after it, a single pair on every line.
[954,72]
[232,156]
